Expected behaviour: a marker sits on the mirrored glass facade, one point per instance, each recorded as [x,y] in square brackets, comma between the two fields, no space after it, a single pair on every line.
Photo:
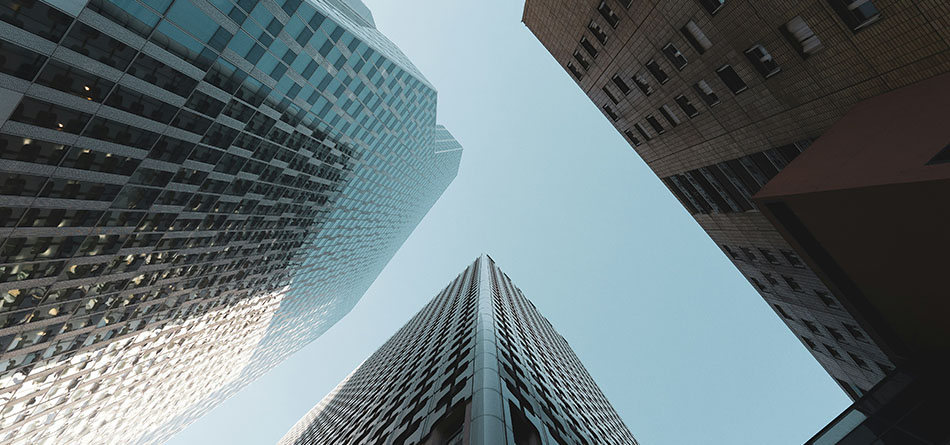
[190,191]
[477,365]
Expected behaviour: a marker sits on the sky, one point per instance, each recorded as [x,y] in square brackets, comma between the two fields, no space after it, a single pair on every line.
[679,342]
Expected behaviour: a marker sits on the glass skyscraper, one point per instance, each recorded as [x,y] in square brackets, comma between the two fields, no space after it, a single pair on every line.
[190,191]
[477,365]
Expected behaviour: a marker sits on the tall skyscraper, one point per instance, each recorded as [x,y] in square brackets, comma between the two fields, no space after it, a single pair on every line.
[718,96]
[477,365]
[191,190]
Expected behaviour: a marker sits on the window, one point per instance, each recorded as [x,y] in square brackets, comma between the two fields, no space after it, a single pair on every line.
[732,253]
[633,139]
[859,361]
[669,116]
[624,88]
[610,95]
[855,332]
[825,298]
[589,47]
[942,157]
[771,279]
[573,69]
[642,131]
[857,14]
[811,327]
[655,124]
[626,3]
[686,106]
[835,334]
[834,352]
[696,37]
[768,256]
[781,311]
[793,259]
[657,72]
[18,61]
[792,283]
[608,14]
[643,84]
[598,32]
[731,78]
[762,61]
[674,56]
[748,253]
[581,60]
[810,343]
[610,112]
[706,93]
[758,284]
[800,35]
[712,6]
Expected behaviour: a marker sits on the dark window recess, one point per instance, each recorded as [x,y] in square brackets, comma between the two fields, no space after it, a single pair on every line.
[706,93]
[573,69]
[657,127]
[712,6]
[748,254]
[654,68]
[768,256]
[598,32]
[674,56]
[826,299]
[161,75]
[589,47]
[625,3]
[683,199]
[793,259]
[859,361]
[781,311]
[835,334]
[610,112]
[669,116]
[18,61]
[942,156]
[642,131]
[810,343]
[857,14]
[581,60]
[686,106]
[800,35]
[633,139]
[141,104]
[831,350]
[74,81]
[696,37]
[643,84]
[35,17]
[92,43]
[608,14]
[732,253]
[624,88]
[792,283]
[770,278]
[118,133]
[855,332]
[47,115]
[758,284]
[610,95]
[18,148]
[731,78]
[763,62]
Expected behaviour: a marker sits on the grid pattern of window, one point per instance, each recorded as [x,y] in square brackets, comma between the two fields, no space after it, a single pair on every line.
[480,338]
[168,163]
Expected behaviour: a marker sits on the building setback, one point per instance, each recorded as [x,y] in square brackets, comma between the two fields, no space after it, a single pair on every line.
[718,96]
[477,365]
[190,191]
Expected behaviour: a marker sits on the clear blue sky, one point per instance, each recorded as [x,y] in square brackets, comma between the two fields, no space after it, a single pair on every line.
[677,339]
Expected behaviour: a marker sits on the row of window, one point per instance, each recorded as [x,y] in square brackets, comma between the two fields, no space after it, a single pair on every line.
[728,187]
[857,14]
[599,33]
[747,253]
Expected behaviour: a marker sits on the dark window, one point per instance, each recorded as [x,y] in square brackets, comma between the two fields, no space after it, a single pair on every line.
[669,116]
[712,6]
[598,32]
[857,14]
[47,115]
[608,14]
[657,72]
[859,361]
[589,47]
[642,131]
[771,279]
[18,61]
[192,122]
[610,95]
[86,159]
[706,93]
[732,253]
[674,56]
[810,343]
[161,75]
[74,81]
[573,69]
[643,84]
[731,78]
[111,131]
[624,88]
[141,104]
[855,332]
[31,150]
[35,17]
[792,283]
[204,104]
[768,256]
[686,106]
[942,157]
[610,112]
[633,139]
[811,327]
[696,37]
[781,311]
[655,124]
[762,61]
[625,3]
[748,254]
[835,334]
[793,259]
[581,60]
[800,35]
[825,298]
[834,352]
[92,43]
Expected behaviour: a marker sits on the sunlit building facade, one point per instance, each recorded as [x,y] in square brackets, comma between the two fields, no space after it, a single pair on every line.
[190,191]
[477,365]
[719,96]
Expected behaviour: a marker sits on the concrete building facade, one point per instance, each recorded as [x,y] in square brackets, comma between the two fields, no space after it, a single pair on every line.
[190,191]
[477,365]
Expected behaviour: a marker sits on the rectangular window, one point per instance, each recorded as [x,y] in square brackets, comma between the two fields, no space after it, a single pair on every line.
[706,93]
[598,32]
[642,131]
[610,95]
[855,332]
[758,284]
[696,37]
[768,256]
[810,343]
[633,139]
[792,283]
[811,327]
[835,334]
[825,298]
[800,35]
[771,279]
[731,78]
[655,124]
[608,14]
[643,84]
[857,14]
[748,254]
[762,61]
[732,253]
[793,259]
[781,311]
[657,72]
[669,116]
[674,56]
[581,60]
[626,3]
[859,361]
[624,88]
[573,69]
[712,6]
[589,47]
[610,112]
[831,350]
[686,106]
